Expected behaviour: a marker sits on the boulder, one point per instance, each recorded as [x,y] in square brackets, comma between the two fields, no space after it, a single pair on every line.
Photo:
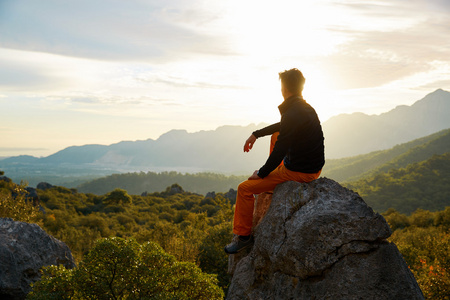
[174,189]
[44,186]
[231,195]
[5,179]
[24,249]
[210,195]
[320,240]
[32,195]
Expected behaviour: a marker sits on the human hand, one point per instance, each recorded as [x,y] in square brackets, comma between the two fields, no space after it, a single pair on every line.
[254,176]
[249,143]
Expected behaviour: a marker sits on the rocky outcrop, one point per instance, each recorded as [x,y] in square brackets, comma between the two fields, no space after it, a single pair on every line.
[6,179]
[321,241]
[231,195]
[44,186]
[24,249]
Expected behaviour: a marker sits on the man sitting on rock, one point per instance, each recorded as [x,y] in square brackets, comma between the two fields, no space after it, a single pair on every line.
[297,154]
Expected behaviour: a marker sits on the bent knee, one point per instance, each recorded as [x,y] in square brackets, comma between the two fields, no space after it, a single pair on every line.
[244,186]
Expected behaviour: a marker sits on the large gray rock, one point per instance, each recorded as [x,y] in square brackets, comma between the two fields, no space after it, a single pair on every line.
[319,240]
[24,249]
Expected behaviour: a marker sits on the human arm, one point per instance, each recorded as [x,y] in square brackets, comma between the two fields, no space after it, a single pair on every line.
[285,138]
[268,130]
[271,129]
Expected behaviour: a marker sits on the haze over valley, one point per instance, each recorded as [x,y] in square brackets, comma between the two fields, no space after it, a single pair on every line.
[220,150]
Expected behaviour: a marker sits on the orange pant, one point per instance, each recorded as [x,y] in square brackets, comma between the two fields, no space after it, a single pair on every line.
[243,214]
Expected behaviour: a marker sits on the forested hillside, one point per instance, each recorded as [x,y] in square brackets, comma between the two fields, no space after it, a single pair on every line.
[137,183]
[357,167]
[406,177]
[424,185]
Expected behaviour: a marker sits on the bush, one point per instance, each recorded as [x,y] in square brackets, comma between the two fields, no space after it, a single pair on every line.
[123,269]
[18,208]
[117,196]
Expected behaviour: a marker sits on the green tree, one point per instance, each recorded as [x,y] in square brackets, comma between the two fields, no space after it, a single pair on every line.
[117,196]
[395,219]
[212,258]
[123,269]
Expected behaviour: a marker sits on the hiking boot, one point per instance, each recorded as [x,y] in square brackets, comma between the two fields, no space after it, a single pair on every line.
[238,245]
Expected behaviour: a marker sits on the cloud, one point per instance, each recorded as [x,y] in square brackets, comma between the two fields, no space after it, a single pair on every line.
[21,76]
[85,100]
[111,30]
[409,37]
[436,85]
[186,83]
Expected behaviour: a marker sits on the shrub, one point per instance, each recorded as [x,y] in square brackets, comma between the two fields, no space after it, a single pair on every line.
[18,208]
[123,269]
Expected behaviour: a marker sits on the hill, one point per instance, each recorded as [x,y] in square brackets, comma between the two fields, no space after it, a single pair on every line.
[343,170]
[218,151]
[138,183]
[357,167]
[358,133]
[423,185]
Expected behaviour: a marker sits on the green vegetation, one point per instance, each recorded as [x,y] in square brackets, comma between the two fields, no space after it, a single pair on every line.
[116,268]
[424,241]
[410,183]
[137,183]
[424,185]
[189,227]
[13,203]
[400,156]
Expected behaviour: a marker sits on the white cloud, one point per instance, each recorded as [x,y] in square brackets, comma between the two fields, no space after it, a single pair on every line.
[114,30]
[199,64]
[388,41]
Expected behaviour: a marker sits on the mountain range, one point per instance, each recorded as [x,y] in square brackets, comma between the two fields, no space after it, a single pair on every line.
[362,170]
[220,150]
[353,134]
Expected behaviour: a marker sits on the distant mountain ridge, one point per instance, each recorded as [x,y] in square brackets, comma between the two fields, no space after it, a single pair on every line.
[345,170]
[348,135]
[220,150]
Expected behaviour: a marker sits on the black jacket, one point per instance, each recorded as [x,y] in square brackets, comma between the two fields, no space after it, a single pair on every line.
[300,143]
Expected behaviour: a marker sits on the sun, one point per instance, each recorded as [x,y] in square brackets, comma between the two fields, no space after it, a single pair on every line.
[272,29]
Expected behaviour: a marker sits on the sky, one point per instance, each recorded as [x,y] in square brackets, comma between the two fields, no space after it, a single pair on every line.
[76,72]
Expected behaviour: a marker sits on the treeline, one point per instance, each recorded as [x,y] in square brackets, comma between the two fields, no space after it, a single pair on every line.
[424,185]
[138,183]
